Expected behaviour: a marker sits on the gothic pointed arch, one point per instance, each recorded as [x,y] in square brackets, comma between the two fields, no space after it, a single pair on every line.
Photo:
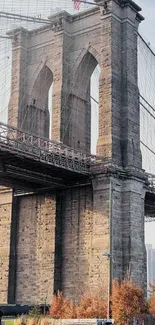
[35,117]
[84,72]
[94,52]
[41,87]
[80,104]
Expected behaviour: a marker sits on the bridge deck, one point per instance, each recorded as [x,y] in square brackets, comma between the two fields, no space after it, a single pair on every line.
[30,162]
[29,158]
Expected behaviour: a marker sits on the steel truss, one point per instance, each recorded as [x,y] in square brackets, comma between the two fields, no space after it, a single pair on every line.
[150,218]
[28,145]
[151,179]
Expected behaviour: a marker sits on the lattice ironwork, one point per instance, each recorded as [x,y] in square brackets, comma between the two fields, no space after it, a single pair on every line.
[151,179]
[150,218]
[41,149]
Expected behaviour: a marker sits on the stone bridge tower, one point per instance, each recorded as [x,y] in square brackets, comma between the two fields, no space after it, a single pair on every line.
[56,240]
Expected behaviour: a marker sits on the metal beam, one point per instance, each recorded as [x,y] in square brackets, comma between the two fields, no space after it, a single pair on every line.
[26,157]
[9,15]
[19,144]
[5,37]
[150,218]
[99,4]
[87,2]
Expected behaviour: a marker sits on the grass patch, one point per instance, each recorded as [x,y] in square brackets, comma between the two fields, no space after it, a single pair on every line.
[8,321]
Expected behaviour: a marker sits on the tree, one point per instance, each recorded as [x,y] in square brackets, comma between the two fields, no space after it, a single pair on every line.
[152,305]
[62,307]
[91,306]
[152,299]
[127,301]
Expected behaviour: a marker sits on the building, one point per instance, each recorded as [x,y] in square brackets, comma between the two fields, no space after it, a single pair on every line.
[150,266]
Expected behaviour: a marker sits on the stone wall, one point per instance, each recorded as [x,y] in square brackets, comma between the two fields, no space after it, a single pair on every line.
[73,46]
[142,320]
[133,243]
[74,322]
[77,232]
[85,237]
[5,234]
[60,241]
[35,249]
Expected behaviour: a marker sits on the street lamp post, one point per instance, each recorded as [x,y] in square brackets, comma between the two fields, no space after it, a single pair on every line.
[108,255]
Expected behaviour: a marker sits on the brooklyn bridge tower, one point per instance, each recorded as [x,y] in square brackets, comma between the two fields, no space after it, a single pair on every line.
[54,232]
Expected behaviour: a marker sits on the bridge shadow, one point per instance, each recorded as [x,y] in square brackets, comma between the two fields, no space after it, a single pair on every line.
[150,206]
[28,161]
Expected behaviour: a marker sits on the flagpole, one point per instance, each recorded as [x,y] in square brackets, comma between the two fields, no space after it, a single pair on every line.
[91,3]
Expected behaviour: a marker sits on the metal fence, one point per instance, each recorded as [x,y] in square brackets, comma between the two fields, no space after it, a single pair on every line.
[21,143]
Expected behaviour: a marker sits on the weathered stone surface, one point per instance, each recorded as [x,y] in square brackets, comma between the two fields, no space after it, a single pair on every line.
[72,49]
[61,237]
[5,233]
[35,249]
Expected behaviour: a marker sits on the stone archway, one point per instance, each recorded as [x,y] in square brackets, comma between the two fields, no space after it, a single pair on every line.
[77,131]
[36,117]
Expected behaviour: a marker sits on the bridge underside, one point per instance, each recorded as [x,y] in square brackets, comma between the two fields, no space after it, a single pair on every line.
[19,171]
[150,206]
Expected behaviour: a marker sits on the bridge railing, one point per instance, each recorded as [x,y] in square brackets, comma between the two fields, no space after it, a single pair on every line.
[151,179]
[52,152]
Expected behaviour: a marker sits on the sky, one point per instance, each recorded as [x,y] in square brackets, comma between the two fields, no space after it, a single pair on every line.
[45,8]
[147,29]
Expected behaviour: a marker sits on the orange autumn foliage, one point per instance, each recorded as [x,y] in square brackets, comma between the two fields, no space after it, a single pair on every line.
[90,306]
[127,301]
[152,299]
[152,305]
[62,307]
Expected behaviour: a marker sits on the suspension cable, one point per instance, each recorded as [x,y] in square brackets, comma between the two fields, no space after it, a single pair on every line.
[9,15]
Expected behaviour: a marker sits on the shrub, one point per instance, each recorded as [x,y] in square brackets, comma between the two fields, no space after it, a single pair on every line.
[127,301]
[152,299]
[62,307]
[152,305]
[35,312]
[91,306]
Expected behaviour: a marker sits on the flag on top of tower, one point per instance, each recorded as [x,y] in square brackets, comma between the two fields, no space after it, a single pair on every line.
[76,4]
